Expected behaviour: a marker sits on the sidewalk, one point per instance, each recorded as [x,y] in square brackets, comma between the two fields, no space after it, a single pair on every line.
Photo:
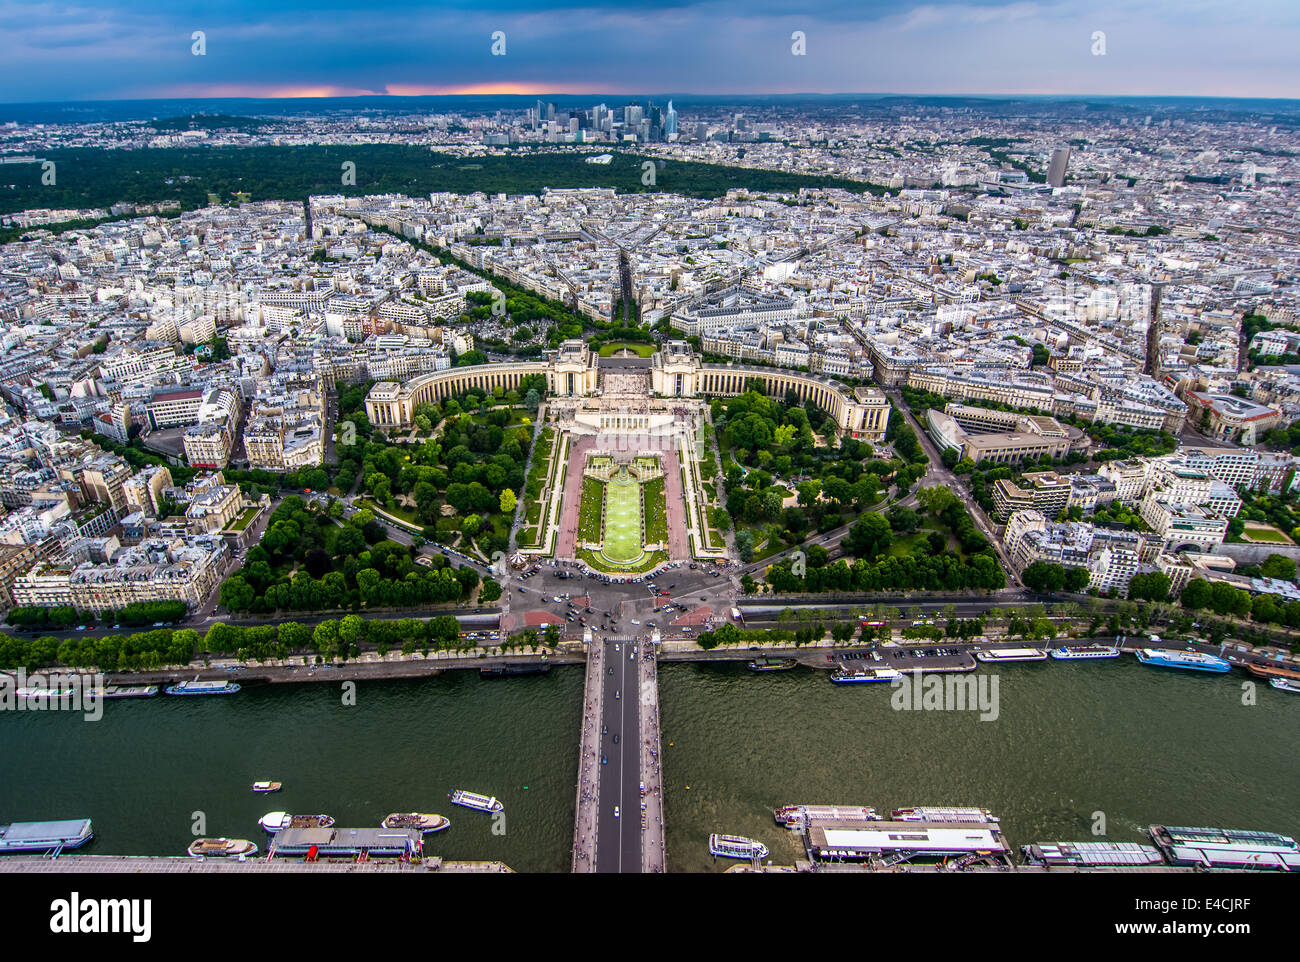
[588,805]
[653,847]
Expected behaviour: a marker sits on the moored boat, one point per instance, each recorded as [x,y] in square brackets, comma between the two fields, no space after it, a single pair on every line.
[1091,854]
[221,848]
[736,846]
[1272,671]
[45,836]
[482,803]
[426,823]
[932,813]
[1191,660]
[37,693]
[1011,654]
[1286,684]
[127,691]
[864,675]
[267,786]
[1071,652]
[763,663]
[203,688]
[275,821]
[793,816]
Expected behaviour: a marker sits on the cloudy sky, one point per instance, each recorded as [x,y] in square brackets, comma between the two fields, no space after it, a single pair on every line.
[125,49]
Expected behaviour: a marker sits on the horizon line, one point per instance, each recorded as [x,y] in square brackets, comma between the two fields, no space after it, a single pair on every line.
[470,93]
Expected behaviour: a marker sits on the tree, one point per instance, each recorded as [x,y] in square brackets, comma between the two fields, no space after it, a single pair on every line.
[903,520]
[1076,579]
[1043,576]
[745,545]
[869,536]
[508,501]
[1196,595]
[491,591]
[1149,587]
[1278,566]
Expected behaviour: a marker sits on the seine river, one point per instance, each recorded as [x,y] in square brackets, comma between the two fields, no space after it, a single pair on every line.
[1140,745]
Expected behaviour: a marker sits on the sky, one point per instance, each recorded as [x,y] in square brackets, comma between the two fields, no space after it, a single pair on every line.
[138,49]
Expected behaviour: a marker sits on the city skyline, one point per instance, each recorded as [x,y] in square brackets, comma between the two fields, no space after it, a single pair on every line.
[150,50]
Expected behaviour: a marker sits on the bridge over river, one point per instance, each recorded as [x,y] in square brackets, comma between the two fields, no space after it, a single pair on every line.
[619,825]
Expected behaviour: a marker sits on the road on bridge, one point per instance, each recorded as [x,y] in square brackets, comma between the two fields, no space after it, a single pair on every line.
[618,824]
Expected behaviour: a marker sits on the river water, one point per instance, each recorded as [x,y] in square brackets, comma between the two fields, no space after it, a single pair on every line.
[1071,739]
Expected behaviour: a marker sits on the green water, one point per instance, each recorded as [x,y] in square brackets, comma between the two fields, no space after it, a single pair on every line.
[148,764]
[1141,745]
[1138,744]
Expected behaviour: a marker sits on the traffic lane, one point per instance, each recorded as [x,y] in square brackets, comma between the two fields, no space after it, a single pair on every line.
[618,846]
[630,744]
[609,848]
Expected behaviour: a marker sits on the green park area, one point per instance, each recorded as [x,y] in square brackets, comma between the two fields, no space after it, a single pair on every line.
[640,350]
[622,543]
[1264,533]
[620,508]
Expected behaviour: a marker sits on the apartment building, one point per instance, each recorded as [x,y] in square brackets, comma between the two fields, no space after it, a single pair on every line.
[100,575]
[1043,491]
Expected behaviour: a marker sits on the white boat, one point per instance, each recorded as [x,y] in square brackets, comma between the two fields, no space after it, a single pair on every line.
[45,836]
[1285,684]
[482,803]
[203,688]
[794,816]
[736,846]
[1072,652]
[1192,660]
[865,676]
[221,848]
[1012,654]
[267,786]
[275,821]
[940,814]
[424,822]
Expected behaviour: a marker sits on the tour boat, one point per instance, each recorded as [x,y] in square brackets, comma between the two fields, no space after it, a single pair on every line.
[127,691]
[45,836]
[275,821]
[736,846]
[1285,684]
[203,688]
[1071,652]
[482,803]
[941,814]
[267,786]
[425,823]
[1192,660]
[861,675]
[793,816]
[1011,654]
[221,848]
